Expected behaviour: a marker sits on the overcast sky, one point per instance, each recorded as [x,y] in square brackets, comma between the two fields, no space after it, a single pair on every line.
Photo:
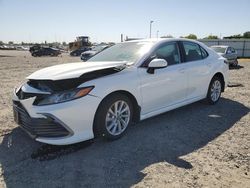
[105,20]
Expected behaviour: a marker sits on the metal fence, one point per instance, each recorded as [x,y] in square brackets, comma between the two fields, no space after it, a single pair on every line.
[241,45]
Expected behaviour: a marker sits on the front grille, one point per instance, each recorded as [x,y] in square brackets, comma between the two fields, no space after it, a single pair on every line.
[38,127]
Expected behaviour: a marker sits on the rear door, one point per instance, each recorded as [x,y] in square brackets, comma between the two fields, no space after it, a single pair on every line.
[197,68]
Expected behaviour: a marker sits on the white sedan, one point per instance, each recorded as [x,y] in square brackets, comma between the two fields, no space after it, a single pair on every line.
[128,82]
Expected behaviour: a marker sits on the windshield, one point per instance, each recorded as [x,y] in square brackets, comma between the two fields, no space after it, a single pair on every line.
[98,48]
[219,49]
[127,51]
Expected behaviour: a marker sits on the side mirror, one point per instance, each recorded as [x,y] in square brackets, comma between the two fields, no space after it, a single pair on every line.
[156,64]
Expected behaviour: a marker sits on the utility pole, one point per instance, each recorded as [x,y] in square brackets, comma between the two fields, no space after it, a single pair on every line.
[150,29]
[121,37]
[157,34]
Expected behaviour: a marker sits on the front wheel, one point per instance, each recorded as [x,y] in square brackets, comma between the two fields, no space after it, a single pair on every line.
[214,90]
[114,116]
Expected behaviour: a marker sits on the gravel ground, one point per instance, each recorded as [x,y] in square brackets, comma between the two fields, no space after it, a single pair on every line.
[194,146]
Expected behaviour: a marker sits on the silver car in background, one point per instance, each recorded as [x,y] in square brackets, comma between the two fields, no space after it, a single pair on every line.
[227,52]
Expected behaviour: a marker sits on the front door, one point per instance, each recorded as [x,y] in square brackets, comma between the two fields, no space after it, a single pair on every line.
[167,86]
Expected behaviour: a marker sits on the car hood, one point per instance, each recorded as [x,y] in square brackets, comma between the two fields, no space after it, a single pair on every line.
[72,70]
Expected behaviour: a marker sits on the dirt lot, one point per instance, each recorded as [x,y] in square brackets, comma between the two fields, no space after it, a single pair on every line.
[194,146]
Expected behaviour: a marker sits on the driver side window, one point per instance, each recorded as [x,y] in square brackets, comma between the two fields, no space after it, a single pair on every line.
[169,52]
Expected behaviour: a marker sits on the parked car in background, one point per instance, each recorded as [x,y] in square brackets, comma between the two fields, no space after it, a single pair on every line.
[5,47]
[128,82]
[227,52]
[35,48]
[78,52]
[46,51]
[22,48]
[90,53]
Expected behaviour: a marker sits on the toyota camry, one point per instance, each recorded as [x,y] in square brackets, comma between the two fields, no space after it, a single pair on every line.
[126,83]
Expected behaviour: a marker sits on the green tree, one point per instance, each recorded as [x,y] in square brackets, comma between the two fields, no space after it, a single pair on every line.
[1,42]
[211,37]
[10,42]
[191,36]
[239,36]
[64,43]
[246,35]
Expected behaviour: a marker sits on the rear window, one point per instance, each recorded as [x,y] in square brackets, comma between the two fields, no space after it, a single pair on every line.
[192,51]
[203,53]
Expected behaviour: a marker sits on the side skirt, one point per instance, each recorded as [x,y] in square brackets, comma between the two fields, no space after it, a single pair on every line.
[171,107]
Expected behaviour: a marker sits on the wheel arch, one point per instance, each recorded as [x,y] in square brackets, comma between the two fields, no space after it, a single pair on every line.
[221,76]
[136,107]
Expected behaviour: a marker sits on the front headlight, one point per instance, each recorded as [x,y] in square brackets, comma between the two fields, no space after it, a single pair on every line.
[63,96]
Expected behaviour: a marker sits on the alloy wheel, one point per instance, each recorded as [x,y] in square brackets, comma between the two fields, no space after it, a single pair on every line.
[215,90]
[117,118]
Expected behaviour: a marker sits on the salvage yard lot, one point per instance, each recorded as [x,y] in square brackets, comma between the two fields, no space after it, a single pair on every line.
[194,146]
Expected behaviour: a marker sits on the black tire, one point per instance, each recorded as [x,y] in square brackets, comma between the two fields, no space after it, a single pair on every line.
[209,98]
[235,64]
[100,128]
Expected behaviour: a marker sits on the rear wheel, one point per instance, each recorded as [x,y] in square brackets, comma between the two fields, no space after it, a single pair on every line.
[214,90]
[113,116]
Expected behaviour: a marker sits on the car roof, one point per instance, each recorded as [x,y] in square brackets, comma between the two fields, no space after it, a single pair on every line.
[156,40]
[219,46]
[162,40]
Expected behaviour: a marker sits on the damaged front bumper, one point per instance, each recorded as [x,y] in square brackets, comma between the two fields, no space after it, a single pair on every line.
[58,124]
[49,127]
